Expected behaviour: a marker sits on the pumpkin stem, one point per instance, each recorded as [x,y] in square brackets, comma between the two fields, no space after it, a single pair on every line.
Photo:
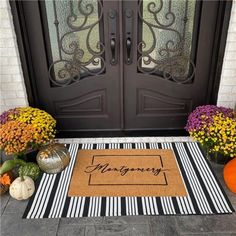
[22,178]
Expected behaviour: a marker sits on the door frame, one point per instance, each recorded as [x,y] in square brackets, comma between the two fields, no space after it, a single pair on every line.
[224,12]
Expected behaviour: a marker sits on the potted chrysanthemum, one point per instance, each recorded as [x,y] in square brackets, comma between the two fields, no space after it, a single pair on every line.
[215,129]
[22,131]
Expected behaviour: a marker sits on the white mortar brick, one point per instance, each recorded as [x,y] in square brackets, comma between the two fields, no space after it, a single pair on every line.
[232,27]
[233,105]
[232,37]
[228,81]
[2,102]
[16,102]
[228,78]
[8,52]
[228,73]
[13,86]
[9,94]
[231,46]
[229,63]
[12,70]
[225,97]
[6,78]
[20,94]
[4,61]
[231,56]
[6,33]
[7,43]
[13,61]
[16,78]
[5,23]
[225,89]
[3,4]
[234,90]
[234,95]
[4,14]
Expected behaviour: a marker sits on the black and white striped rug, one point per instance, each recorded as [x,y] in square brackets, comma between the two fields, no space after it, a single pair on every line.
[205,195]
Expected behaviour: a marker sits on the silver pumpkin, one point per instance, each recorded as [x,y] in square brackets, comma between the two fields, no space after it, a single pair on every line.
[53,158]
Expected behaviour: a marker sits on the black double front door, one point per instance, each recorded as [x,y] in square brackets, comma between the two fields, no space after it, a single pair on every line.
[120,65]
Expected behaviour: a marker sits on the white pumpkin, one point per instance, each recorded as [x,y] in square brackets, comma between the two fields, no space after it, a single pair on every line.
[22,188]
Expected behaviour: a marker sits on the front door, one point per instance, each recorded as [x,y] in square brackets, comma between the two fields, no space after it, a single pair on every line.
[168,71]
[120,65]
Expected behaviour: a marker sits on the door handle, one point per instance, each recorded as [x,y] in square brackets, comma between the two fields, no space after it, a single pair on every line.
[128,35]
[128,48]
[112,21]
[113,50]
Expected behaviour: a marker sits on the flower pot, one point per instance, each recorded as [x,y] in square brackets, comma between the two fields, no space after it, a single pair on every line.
[216,157]
[30,156]
[3,189]
[219,158]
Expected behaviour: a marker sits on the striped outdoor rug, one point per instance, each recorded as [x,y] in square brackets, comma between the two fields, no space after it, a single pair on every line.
[205,195]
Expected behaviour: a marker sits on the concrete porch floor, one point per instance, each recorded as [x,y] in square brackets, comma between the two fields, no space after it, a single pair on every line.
[13,225]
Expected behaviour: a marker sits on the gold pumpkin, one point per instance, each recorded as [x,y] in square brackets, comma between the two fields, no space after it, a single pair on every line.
[53,158]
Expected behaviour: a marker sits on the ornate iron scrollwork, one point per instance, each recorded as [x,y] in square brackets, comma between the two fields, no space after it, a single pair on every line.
[71,63]
[171,60]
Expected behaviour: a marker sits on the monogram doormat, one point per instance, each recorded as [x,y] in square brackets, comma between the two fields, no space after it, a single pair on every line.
[130,179]
[121,173]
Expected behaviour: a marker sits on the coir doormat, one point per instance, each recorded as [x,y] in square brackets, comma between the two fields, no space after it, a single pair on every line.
[204,193]
[121,173]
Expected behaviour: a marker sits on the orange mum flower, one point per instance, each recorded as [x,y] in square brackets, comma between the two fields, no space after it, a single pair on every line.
[15,136]
[5,179]
[25,128]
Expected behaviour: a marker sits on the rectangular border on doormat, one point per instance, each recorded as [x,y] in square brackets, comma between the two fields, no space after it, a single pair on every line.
[205,194]
[166,183]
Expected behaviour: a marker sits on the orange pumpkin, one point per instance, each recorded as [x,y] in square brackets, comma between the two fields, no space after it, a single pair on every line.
[230,175]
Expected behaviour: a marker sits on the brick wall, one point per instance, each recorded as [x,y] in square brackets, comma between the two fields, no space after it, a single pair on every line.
[13,93]
[12,90]
[227,91]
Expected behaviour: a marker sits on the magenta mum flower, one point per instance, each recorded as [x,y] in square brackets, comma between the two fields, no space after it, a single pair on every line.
[202,116]
[4,117]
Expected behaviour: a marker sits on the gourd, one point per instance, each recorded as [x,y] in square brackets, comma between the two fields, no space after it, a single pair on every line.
[29,169]
[230,175]
[53,158]
[22,188]
[10,164]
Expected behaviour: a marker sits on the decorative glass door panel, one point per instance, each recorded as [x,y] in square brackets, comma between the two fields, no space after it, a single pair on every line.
[165,47]
[76,42]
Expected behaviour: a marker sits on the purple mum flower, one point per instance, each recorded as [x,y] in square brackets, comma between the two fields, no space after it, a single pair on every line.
[202,116]
[4,117]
